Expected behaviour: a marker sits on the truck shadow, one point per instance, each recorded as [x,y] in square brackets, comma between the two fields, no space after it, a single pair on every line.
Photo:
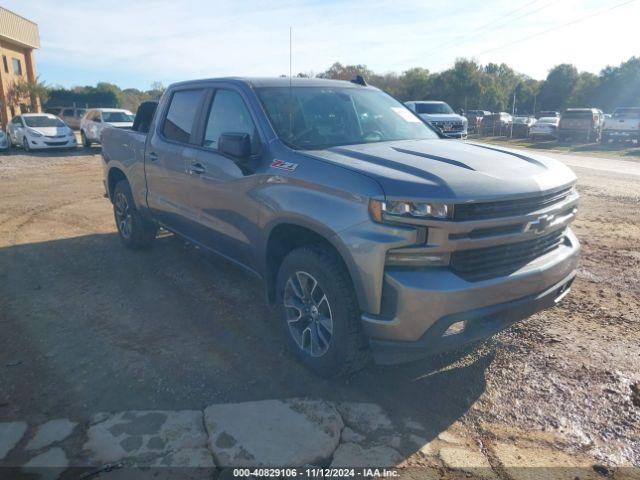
[91,327]
[74,152]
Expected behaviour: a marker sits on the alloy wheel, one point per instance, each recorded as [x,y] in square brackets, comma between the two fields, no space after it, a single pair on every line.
[308,314]
[123,215]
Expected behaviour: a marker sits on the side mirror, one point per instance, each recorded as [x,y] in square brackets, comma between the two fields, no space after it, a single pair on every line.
[236,145]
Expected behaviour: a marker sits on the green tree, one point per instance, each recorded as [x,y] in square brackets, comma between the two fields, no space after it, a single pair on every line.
[557,89]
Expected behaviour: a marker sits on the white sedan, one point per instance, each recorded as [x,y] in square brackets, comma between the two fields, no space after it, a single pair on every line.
[96,119]
[35,131]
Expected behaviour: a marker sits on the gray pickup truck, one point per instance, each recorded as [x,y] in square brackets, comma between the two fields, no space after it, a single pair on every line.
[374,236]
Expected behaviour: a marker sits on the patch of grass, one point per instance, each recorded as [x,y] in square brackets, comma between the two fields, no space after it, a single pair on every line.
[611,149]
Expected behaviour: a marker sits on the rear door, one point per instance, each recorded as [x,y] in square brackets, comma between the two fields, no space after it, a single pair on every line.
[169,154]
[227,212]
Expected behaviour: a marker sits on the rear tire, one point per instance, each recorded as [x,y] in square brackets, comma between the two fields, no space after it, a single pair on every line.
[134,230]
[86,143]
[339,350]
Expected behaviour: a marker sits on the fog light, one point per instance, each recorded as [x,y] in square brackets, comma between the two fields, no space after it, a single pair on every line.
[455,328]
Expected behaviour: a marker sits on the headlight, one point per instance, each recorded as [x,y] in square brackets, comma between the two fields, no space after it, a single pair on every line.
[34,133]
[408,258]
[396,208]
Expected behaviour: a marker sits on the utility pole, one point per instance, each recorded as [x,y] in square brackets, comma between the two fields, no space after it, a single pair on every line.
[513,110]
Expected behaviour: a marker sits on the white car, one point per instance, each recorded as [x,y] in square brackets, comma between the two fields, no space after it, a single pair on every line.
[545,127]
[97,119]
[36,131]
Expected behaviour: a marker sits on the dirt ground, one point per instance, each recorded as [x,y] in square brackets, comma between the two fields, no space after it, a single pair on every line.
[88,326]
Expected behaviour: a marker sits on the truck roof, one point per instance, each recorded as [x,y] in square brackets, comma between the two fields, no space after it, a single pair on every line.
[278,82]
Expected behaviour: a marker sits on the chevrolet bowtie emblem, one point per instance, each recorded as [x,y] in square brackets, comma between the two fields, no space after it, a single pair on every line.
[540,224]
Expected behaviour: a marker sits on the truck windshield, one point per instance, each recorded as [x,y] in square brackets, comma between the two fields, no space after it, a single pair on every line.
[433,108]
[115,117]
[42,121]
[318,117]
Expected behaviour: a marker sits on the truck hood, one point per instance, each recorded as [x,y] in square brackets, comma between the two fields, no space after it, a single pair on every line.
[441,117]
[449,170]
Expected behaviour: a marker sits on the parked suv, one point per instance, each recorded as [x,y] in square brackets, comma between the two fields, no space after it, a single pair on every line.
[496,124]
[96,119]
[371,233]
[581,123]
[69,115]
[441,116]
[474,119]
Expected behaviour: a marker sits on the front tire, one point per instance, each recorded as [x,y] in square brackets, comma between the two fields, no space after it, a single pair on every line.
[25,144]
[134,230]
[319,312]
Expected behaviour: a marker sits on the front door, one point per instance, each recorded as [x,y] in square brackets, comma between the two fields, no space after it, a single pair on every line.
[221,190]
[167,157]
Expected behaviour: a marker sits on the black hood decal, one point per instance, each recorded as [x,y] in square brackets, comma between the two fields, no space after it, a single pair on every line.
[434,157]
[513,154]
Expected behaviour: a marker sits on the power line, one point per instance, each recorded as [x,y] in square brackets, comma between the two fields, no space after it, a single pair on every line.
[573,22]
[456,42]
[492,22]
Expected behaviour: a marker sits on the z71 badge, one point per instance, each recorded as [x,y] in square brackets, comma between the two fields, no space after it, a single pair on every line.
[289,166]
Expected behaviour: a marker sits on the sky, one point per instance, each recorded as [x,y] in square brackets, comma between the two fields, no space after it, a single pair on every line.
[136,43]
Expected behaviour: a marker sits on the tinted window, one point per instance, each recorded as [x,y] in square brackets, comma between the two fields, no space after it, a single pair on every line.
[229,114]
[433,108]
[17,121]
[67,112]
[43,121]
[116,117]
[578,114]
[181,114]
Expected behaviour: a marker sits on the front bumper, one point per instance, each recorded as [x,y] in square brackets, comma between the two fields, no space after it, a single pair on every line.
[41,143]
[419,305]
[461,134]
[626,134]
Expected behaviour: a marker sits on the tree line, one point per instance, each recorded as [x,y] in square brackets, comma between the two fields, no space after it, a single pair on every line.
[467,85]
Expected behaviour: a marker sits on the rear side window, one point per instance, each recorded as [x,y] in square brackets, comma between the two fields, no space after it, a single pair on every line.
[67,112]
[179,122]
[229,114]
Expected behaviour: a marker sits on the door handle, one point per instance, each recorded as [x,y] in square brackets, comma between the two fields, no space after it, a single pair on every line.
[153,156]
[197,168]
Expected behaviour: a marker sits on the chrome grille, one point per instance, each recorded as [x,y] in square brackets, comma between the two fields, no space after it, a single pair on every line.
[508,208]
[491,262]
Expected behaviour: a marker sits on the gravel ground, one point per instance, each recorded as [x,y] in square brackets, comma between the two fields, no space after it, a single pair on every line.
[88,327]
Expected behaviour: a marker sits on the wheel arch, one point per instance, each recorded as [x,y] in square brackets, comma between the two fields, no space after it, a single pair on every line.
[114,176]
[287,236]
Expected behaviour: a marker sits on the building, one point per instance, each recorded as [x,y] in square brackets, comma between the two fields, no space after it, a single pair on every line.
[18,39]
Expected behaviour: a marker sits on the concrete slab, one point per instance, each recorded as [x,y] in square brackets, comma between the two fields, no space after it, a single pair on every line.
[367,418]
[273,432]
[51,432]
[10,435]
[144,437]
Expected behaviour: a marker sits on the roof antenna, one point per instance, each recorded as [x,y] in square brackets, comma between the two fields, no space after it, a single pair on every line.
[290,87]
[359,80]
